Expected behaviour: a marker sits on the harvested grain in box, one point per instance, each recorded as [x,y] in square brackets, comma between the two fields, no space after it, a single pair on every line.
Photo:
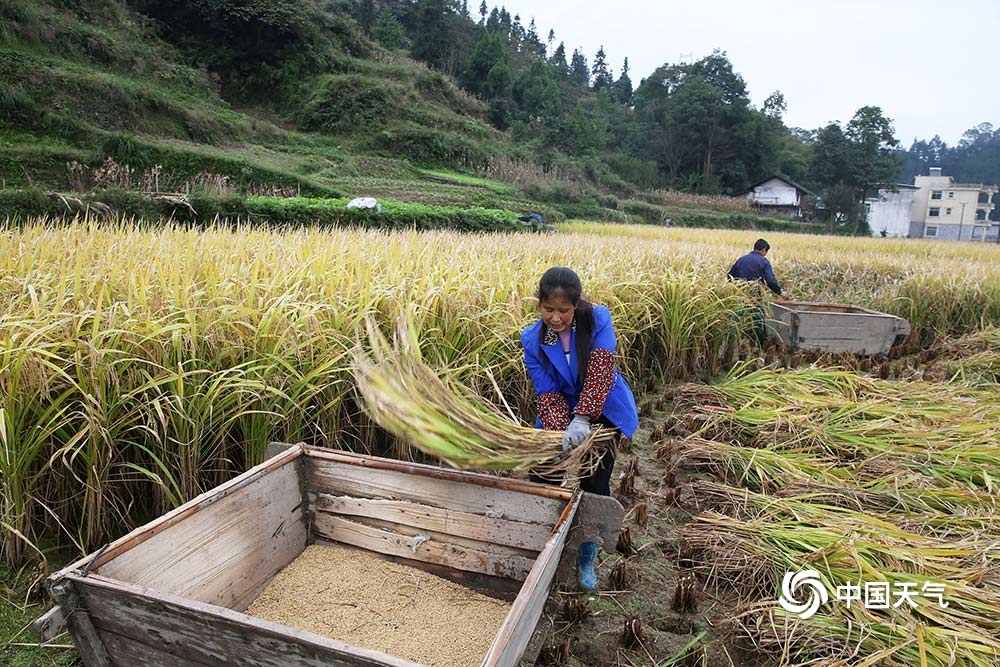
[358,598]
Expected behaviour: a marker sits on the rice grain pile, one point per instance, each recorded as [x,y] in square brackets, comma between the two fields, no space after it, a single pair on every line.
[358,598]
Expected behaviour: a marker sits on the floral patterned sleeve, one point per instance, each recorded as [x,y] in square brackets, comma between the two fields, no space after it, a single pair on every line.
[553,411]
[600,375]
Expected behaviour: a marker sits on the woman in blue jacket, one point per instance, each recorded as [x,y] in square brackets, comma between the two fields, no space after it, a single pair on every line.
[570,356]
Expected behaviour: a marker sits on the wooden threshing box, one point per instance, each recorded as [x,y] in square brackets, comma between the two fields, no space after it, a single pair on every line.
[834,327]
[175,591]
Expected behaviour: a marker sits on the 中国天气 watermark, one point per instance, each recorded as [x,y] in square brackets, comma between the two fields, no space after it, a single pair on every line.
[870,594]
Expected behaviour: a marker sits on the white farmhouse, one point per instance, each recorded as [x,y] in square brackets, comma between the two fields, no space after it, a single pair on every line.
[777,196]
[889,213]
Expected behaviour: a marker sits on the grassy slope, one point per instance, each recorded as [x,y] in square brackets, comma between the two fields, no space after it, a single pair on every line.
[81,87]
[84,83]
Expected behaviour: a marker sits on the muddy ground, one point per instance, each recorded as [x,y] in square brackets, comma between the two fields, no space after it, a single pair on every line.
[652,608]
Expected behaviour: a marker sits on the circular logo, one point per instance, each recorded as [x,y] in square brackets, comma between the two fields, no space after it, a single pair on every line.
[791,583]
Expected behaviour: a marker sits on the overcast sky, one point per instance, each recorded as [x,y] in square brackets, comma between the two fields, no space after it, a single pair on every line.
[933,67]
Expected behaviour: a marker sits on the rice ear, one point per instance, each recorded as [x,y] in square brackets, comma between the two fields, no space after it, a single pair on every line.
[431,410]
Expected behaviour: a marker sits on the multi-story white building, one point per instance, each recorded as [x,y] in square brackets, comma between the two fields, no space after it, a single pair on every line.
[946,210]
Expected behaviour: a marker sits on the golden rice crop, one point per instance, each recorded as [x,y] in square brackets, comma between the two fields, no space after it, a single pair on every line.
[437,414]
[944,431]
[142,364]
[861,480]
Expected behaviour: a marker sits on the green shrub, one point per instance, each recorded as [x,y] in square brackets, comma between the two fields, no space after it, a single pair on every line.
[553,191]
[740,221]
[636,171]
[40,163]
[645,211]
[274,211]
[431,147]
[14,100]
[302,211]
[341,103]
[22,204]
[593,211]
[437,89]
[124,149]
[209,208]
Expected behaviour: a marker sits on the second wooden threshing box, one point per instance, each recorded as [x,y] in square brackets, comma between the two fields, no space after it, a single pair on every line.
[835,327]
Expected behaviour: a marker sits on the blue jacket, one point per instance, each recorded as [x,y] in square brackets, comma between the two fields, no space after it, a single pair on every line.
[553,374]
[754,267]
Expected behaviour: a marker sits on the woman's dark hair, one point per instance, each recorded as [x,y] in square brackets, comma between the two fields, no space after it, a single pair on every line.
[562,281]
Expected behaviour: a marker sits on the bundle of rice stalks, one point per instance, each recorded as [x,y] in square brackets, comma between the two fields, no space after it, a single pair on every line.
[432,411]
[759,468]
[980,370]
[842,544]
[966,346]
[938,435]
[860,638]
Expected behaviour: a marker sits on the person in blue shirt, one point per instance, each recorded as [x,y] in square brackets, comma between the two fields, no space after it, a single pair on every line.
[756,267]
[569,353]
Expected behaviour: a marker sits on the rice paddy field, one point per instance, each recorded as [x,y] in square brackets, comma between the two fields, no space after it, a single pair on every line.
[143,364]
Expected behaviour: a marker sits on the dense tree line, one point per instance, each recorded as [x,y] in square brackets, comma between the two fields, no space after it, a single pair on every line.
[688,126]
[975,159]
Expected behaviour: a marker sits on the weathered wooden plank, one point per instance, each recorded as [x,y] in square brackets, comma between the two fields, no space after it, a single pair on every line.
[830,327]
[540,636]
[488,559]
[339,478]
[275,448]
[153,528]
[412,533]
[128,651]
[227,552]
[816,306]
[441,520]
[436,472]
[844,343]
[516,630]
[849,329]
[807,338]
[81,626]
[846,329]
[196,633]
[50,624]
[849,334]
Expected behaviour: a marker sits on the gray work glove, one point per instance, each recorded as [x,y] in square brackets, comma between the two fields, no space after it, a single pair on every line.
[575,433]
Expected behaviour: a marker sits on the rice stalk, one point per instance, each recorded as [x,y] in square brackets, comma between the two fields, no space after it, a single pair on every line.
[435,413]
[145,303]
